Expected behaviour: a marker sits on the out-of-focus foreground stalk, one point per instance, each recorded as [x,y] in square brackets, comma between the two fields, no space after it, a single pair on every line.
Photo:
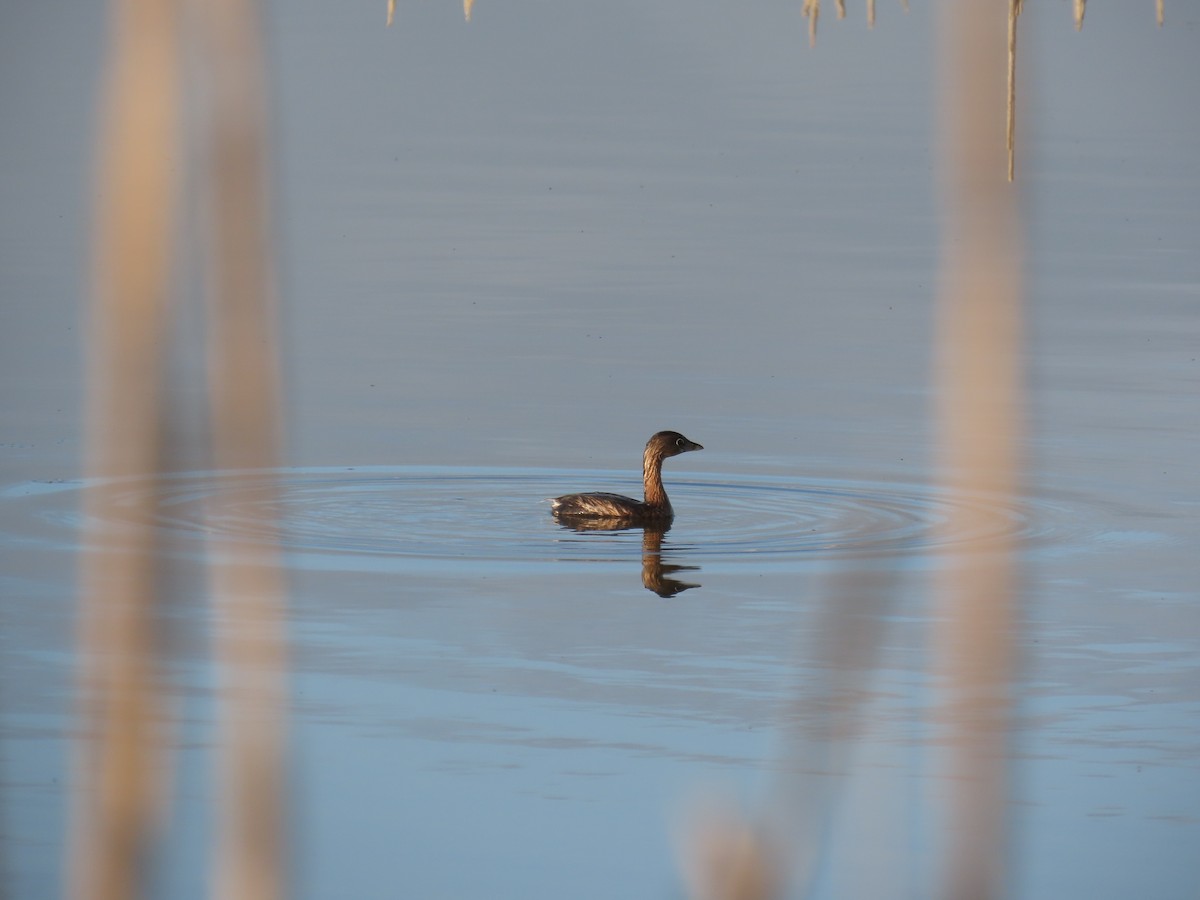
[121,773]
[122,708]
[980,432]
[244,395]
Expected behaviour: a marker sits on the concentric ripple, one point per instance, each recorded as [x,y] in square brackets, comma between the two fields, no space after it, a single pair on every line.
[394,517]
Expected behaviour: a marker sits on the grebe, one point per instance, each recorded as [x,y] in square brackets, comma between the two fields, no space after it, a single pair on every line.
[625,511]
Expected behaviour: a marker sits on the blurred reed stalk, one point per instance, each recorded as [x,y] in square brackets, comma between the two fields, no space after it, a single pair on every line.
[120,755]
[826,717]
[781,851]
[980,430]
[244,398]
[121,780]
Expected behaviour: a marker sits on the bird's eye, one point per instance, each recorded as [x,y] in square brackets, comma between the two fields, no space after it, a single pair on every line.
[679,442]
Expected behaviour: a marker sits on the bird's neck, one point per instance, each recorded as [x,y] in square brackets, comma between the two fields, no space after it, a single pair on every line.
[652,476]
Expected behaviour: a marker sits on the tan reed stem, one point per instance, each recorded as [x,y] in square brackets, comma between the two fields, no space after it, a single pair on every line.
[1158,12]
[980,425]
[812,11]
[120,756]
[870,13]
[1080,9]
[245,413]
[1014,13]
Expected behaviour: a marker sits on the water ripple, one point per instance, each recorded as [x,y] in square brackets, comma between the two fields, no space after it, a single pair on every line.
[395,517]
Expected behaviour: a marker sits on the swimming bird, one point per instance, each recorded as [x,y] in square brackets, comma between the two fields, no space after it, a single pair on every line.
[625,511]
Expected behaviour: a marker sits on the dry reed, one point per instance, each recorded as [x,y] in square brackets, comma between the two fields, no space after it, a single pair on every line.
[728,858]
[979,432]
[391,11]
[980,426]
[122,705]
[244,400]
[1014,13]
[122,752]
[811,10]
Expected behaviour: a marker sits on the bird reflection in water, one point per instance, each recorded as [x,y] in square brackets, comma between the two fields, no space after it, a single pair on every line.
[656,575]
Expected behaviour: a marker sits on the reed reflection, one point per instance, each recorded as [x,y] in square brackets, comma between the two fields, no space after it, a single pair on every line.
[656,574]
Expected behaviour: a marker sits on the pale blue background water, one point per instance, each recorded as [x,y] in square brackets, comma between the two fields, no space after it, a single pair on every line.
[523,245]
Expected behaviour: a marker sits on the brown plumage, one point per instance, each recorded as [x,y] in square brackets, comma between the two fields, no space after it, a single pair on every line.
[626,511]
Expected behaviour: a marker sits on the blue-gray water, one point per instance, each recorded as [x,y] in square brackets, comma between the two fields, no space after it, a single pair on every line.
[509,252]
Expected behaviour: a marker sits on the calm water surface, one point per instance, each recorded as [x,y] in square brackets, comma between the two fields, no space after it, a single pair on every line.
[512,251]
